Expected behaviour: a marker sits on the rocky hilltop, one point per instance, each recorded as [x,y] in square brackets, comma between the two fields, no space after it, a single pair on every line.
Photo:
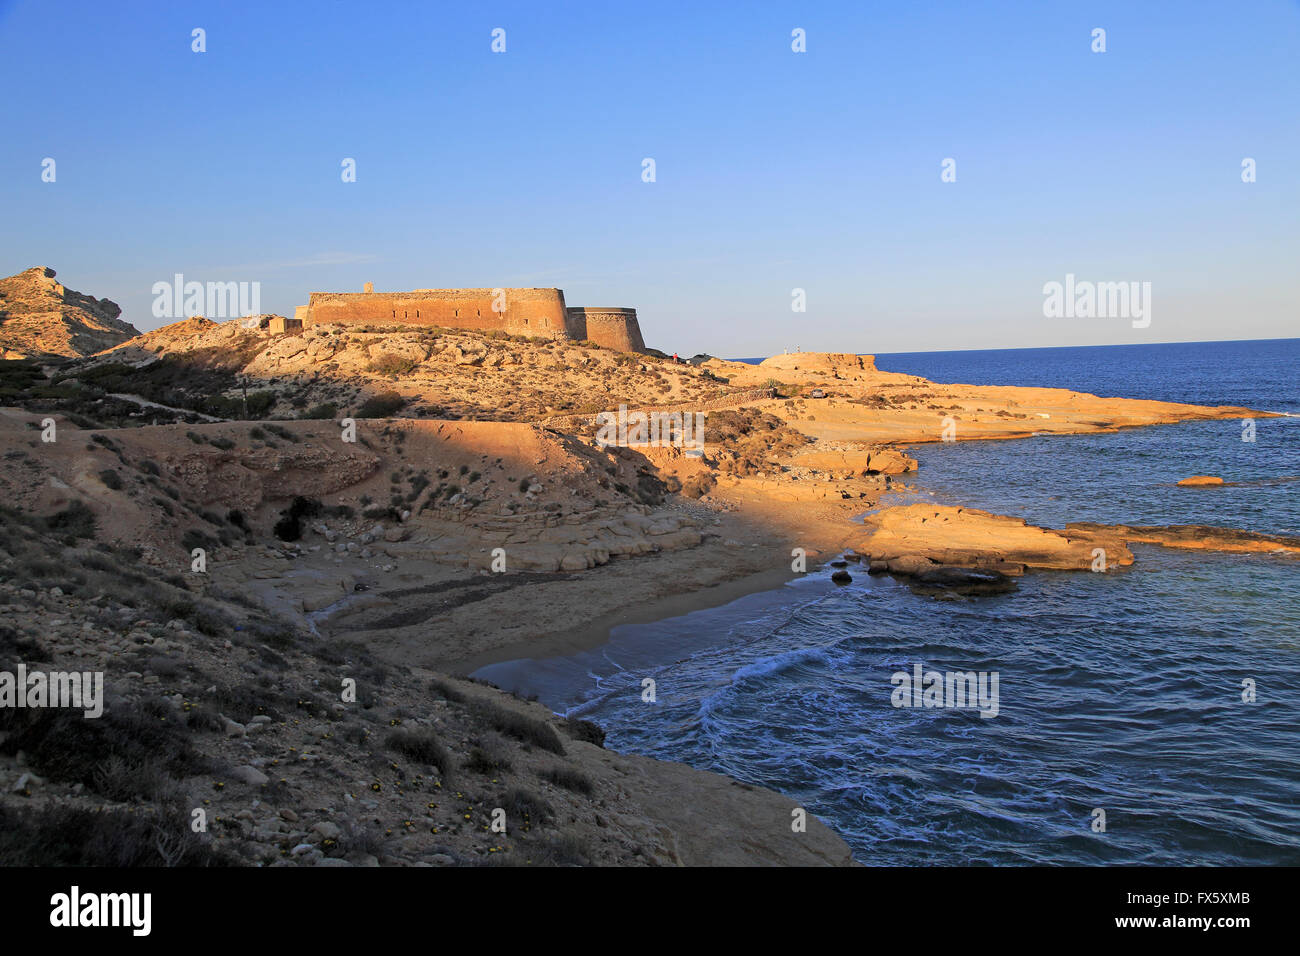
[39,317]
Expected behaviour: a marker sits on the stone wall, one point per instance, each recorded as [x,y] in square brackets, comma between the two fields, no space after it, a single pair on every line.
[533,312]
[609,328]
[539,312]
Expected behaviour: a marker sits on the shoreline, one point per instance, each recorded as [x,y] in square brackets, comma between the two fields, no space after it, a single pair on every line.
[599,631]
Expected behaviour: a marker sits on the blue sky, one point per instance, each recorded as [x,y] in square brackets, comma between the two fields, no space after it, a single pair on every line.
[775,170]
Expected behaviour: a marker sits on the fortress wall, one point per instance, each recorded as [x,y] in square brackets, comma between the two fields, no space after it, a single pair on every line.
[609,328]
[539,312]
[532,312]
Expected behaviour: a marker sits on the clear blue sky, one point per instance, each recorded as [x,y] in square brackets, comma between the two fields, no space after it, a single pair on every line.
[775,170]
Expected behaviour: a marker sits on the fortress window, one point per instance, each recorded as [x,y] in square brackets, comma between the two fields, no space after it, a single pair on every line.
[417,313]
[458,313]
[394,313]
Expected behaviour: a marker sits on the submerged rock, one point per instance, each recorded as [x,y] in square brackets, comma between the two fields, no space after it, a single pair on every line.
[841,577]
[970,582]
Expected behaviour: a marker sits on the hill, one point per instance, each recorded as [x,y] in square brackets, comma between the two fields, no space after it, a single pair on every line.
[39,318]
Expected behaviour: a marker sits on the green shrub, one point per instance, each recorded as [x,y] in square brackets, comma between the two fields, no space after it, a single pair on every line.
[585,730]
[76,520]
[63,835]
[382,405]
[321,412]
[282,432]
[195,538]
[390,364]
[487,758]
[422,746]
[526,807]
[521,727]
[259,403]
[570,779]
[289,527]
[63,745]
[446,691]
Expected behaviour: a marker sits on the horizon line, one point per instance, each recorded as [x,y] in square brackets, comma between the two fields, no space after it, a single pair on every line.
[1030,348]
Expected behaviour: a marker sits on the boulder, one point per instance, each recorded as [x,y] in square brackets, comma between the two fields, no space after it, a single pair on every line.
[249,775]
[964,581]
[889,461]
[909,564]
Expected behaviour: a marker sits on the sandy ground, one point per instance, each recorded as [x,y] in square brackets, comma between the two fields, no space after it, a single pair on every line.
[458,620]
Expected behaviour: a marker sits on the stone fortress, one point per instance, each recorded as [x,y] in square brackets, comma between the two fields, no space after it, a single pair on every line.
[536,312]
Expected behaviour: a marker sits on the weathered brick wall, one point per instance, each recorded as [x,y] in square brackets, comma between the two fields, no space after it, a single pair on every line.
[539,312]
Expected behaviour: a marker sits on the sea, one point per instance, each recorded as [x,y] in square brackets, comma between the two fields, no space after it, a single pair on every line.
[1146,716]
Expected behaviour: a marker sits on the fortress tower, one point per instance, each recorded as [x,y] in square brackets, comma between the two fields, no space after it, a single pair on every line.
[535,312]
[610,328]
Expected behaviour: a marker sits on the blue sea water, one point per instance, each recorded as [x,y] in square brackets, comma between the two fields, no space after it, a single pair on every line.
[1119,692]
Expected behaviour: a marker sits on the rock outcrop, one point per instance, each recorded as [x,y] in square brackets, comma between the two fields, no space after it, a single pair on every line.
[927,543]
[39,317]
[1194,537]
[834,365]
[915,539]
